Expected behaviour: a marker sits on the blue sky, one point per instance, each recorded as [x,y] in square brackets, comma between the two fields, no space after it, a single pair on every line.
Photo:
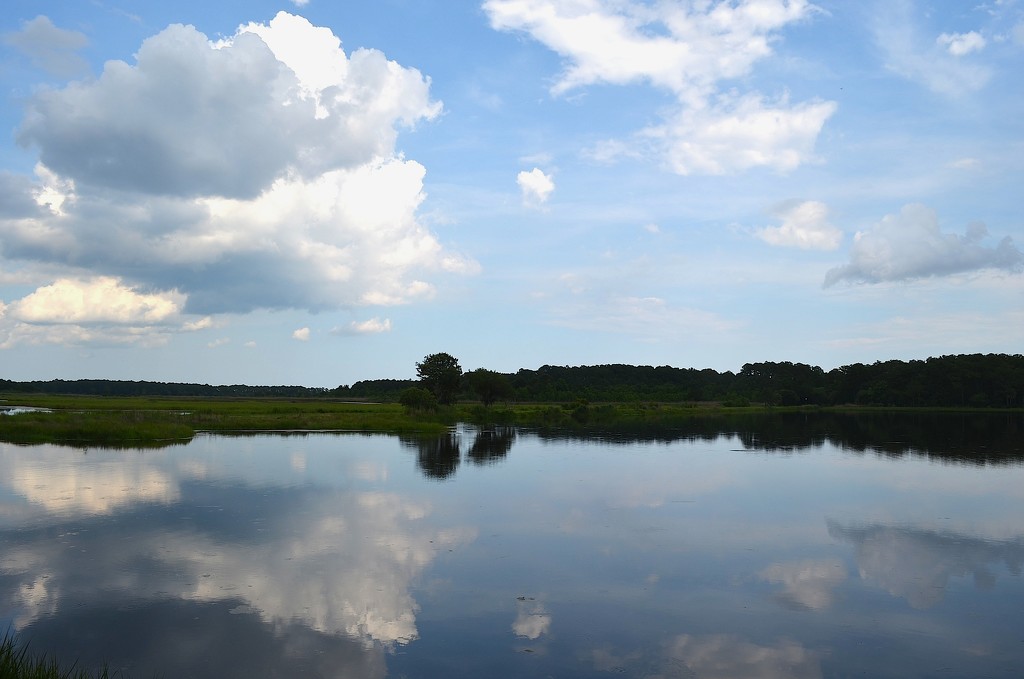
[321,192]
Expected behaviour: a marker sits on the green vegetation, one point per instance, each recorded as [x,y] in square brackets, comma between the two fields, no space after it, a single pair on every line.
[970,380]
[134,422]
[441,374]
[16,663]
[572,397]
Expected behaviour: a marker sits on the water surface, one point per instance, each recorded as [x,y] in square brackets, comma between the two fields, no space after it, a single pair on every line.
[797,546]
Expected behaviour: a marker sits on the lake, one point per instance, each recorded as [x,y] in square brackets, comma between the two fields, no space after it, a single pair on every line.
[795,545]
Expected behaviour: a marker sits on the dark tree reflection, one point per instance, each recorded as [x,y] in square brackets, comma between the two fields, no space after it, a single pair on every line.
[438,457]
[492,444]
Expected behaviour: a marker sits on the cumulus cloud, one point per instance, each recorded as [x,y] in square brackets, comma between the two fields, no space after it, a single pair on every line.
[937,64]
[49,48]
[370,326]
[320,214]
[804,225]
[959,44]
[687,49]
[99,309]
[536,186]
[302,335]
[99,300]
[910,245]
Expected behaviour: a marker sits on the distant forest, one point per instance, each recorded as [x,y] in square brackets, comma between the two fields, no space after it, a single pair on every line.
[973,380]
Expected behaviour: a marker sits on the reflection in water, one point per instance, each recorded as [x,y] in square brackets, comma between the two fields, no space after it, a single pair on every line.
[726,657]
[807,585]
[92,487]
[492,444]
[438,457]
[963,438]
[532,620]
[917,565]
[714,656]
[332,556]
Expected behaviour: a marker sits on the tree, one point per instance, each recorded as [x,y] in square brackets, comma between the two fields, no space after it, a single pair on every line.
[416,398]
[489,385]
[441,374]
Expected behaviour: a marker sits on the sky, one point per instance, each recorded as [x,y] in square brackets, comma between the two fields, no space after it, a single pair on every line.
[317,192]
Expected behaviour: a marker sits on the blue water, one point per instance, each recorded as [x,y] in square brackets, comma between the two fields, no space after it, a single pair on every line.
[510,554]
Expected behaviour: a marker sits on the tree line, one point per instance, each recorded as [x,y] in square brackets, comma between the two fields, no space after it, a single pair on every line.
[966,380]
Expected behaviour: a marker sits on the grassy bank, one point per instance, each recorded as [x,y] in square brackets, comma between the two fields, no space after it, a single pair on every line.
[17,663]
[132,422]
[155,421]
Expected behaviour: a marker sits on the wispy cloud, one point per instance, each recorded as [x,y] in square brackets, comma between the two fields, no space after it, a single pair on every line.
[805,225]
[937,63]
[689,50]
[51,49]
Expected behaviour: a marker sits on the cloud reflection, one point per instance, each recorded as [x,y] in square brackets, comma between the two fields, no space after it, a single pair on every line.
[721,656]
[93,487]
[338,562]
[917,564]
[715,656]
[806,584]
[532,620]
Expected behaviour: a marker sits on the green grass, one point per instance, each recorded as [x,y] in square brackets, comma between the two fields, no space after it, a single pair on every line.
[134,422]
[154,421]
[17,663]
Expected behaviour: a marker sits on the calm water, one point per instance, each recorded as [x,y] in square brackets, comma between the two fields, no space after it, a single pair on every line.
[781,547]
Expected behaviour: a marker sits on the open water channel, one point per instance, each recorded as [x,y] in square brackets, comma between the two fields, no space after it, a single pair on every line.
[784,546]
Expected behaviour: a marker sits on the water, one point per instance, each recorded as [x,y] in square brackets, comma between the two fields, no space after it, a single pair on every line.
[781,547]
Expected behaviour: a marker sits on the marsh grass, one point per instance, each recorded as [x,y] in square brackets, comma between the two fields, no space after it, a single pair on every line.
[154,421]
[17,663]
[140,422]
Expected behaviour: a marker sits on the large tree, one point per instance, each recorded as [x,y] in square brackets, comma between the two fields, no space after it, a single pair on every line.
[489,385]
[442,375]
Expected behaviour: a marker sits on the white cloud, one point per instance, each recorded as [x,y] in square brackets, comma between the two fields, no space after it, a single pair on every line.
[218,342]
[302,334]
[325,209]
[536,186]
[736,134]
[804,225]
[934,64]
[50,48]
[371,326]
[102,309]
[910,245]
[688,50]
[959,44]
[251,344]
[98,300]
